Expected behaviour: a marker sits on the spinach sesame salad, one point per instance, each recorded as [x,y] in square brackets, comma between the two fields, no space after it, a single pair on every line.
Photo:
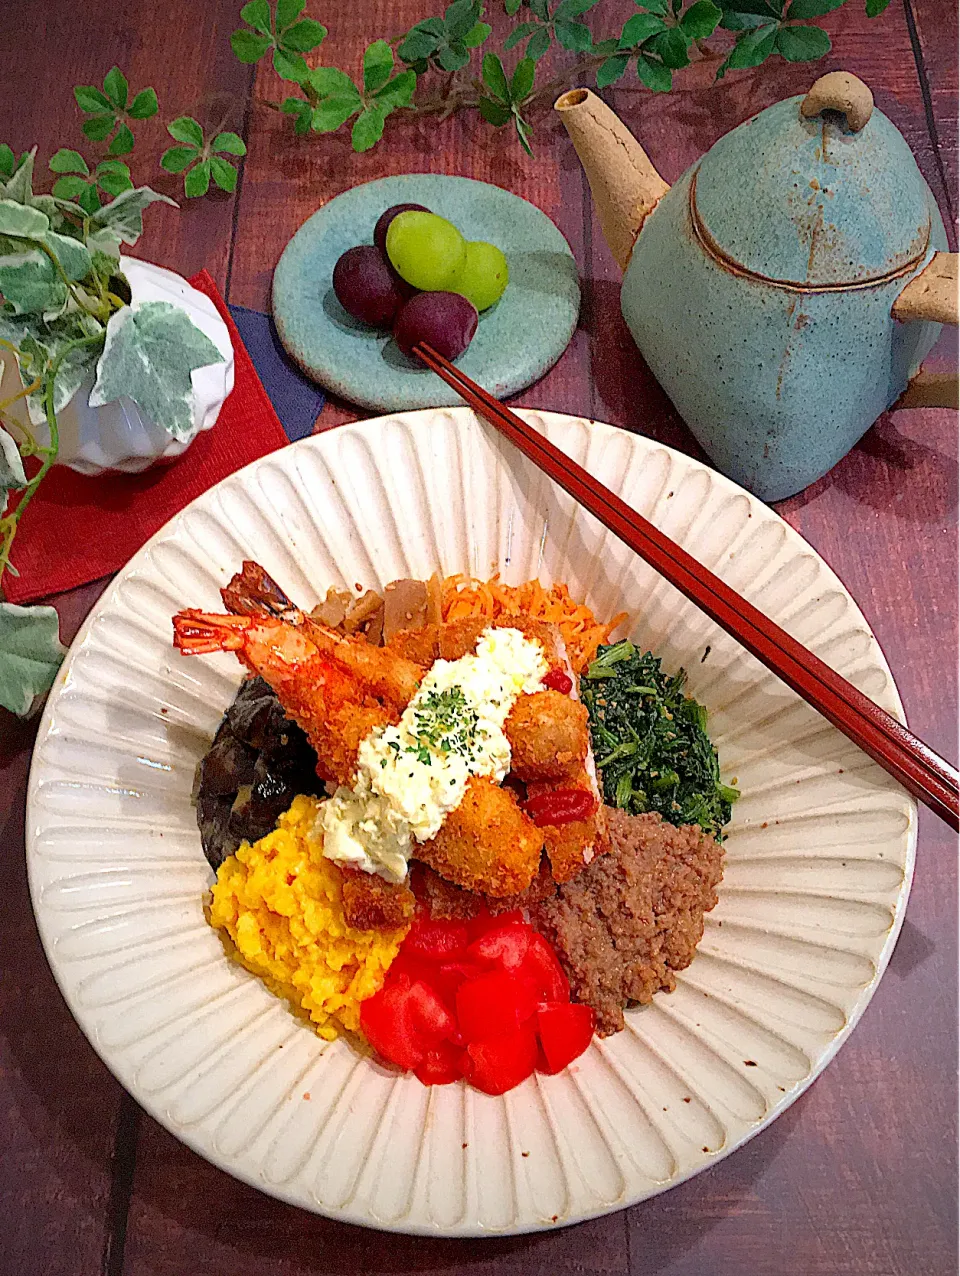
[650,741]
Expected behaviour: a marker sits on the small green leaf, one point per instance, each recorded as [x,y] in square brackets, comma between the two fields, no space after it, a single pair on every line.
[7,160]
[659,6]
[186,129]
[177,158]
[510,8]
[398,91]
[248,46]
[304,36]
[732,21]
[368,128]
[116,87]
[493,112]
[257,15]
[197,180]
[523,78]
[68,162]
[287,12]
[98,127]
[802,9]
[478,34]
[291,66]
[12,477]
[230,144]
[144,105]
[640,28]
[671,45]
[22,222]
[112,166]
[573,36]
[149,354]
[333,112]
[114,183]
[540,9]
[610,71]
[330,81]
[90,99]
[73,188]
[460,17]
[495,78]
[30,654]
[122,142]
[124,215]
[520,33]
[657,77]
[224,174]
[538,44]
[377,65]
[700,20]
[802,44]
[876,7]
[752,47]
[421,41]
[452,57]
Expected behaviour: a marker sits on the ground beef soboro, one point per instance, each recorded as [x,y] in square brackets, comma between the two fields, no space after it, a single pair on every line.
[635,915]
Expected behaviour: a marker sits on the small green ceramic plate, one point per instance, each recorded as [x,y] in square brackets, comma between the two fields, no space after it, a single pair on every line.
[517,340]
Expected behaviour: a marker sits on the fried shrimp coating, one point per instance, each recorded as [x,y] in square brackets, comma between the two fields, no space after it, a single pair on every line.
[487,844]
[548,736]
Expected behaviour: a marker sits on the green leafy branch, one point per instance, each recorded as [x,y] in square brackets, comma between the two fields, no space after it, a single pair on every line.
[507,97]
[278,29]
[200,160]
[110,112]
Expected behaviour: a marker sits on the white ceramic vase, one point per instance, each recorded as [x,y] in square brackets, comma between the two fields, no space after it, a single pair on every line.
[118,436]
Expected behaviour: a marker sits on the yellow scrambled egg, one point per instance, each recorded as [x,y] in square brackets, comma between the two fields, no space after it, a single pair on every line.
[279,901]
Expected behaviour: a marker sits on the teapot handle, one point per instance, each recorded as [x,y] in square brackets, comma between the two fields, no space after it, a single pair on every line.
[931,295]
[839,91]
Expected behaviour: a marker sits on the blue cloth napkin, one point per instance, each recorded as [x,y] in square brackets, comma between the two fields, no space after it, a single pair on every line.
[296,400]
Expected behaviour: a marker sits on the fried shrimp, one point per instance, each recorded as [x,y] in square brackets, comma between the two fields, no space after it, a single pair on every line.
[324,696]
[548,736]
[486,844]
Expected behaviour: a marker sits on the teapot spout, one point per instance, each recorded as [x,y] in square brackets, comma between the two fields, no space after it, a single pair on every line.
[625,186]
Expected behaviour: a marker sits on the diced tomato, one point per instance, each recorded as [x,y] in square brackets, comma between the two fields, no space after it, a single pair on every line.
[558,680]
[560,806]
[504,945]
[404,1019]
[542,966]
[436,941]
[449,975]
[500,1063]
[495,1003]
[478,924]
[566,1029]
[441,1064]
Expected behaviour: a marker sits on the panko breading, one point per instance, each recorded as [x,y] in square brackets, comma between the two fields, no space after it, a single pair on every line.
[486,844]
[372,903]
[548,736]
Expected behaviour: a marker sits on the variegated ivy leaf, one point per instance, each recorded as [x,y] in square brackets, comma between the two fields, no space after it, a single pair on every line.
[20,185]
[104,241]
[30,283]
[30,655]
[12,477]
[124,215]
[22,222]
[73,257]
[149,354]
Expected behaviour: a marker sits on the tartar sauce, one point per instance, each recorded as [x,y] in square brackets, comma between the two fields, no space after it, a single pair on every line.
[412,775]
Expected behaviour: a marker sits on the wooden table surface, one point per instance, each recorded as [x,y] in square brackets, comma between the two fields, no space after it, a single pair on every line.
[859,1176]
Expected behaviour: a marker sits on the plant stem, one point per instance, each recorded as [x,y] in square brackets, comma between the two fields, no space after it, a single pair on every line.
[9,523]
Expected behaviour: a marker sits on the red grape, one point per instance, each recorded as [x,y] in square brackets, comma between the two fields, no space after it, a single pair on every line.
[367,287]
[384,220]
[444,320]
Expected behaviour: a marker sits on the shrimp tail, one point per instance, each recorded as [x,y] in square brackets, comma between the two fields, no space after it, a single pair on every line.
[253,592]
[197,633]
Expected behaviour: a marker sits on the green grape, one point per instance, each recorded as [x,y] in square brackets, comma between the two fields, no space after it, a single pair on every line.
[484,274]
[425,250]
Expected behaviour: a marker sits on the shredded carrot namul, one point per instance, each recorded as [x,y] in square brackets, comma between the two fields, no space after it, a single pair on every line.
[462,597]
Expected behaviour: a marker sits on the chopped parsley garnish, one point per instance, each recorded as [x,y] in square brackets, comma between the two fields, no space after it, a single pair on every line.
[650,741]
[444,723]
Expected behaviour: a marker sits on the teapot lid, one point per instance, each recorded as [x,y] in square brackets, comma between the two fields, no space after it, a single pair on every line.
[816,190]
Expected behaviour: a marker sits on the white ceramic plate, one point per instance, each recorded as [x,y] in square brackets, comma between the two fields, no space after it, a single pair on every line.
[818,865]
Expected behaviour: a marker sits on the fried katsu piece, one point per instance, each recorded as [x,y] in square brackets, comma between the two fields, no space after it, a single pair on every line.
[486,844]
[371,903]
[548,736]
[445,901]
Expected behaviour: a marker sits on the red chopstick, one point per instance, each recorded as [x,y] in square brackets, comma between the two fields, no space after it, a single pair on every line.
[921,771]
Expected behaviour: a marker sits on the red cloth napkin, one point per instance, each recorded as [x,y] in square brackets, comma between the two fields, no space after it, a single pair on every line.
[78,529]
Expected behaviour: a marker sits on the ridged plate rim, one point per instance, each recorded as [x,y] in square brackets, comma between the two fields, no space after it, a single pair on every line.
[199,1138]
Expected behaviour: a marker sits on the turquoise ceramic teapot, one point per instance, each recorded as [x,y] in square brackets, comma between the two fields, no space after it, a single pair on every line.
[785,291]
